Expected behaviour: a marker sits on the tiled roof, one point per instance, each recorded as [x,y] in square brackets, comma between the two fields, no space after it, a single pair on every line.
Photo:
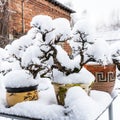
[61,6]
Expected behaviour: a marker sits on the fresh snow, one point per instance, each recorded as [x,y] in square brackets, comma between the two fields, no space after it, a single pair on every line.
[84,76]
[101,51]
[64,29]
[66,61]
[18,79]
[40,21]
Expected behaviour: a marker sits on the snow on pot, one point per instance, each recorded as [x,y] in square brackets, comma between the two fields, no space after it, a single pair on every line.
[20,86]
[105,76]
[62,83]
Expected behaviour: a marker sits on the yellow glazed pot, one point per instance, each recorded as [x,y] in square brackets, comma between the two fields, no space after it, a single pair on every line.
[17,95]
[61,89]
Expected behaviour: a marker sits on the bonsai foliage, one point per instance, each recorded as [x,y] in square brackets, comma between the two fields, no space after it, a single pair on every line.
[82,42]
[31,49]
[89,48]
[115,52]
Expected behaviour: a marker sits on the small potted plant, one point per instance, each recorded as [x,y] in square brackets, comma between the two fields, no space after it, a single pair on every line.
[20,86]
[27,63]
[104,68]
[66,71]
[96,57]
[101,63]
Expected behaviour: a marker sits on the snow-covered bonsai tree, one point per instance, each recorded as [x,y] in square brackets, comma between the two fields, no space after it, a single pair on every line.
[63,69]
[27,56]
[89,48]
[30,49]
[82,41]
[95,55]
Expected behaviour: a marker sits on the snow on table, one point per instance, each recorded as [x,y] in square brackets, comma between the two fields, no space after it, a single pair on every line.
[78,105]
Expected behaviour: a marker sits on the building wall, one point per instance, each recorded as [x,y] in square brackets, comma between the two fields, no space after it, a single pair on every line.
[22,12]
[15,18]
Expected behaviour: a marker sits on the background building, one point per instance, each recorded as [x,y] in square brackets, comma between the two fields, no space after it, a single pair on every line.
[15,15]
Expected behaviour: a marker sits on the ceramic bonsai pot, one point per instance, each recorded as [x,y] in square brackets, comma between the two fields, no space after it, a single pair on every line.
[105,76]
[17,95]
[61,89]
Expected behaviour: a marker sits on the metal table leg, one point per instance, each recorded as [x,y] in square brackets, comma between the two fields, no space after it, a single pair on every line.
[110,112]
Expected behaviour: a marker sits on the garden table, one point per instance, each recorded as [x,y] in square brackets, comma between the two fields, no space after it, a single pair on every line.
[17,117]
[109,108]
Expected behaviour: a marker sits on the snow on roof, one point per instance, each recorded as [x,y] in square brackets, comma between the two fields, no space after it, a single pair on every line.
[61,6]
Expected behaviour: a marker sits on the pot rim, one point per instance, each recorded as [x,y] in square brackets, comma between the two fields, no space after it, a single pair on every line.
[69,84]
[97,64]
[21,89]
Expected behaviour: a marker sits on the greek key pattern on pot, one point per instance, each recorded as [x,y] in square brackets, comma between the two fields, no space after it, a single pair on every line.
[104,77]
